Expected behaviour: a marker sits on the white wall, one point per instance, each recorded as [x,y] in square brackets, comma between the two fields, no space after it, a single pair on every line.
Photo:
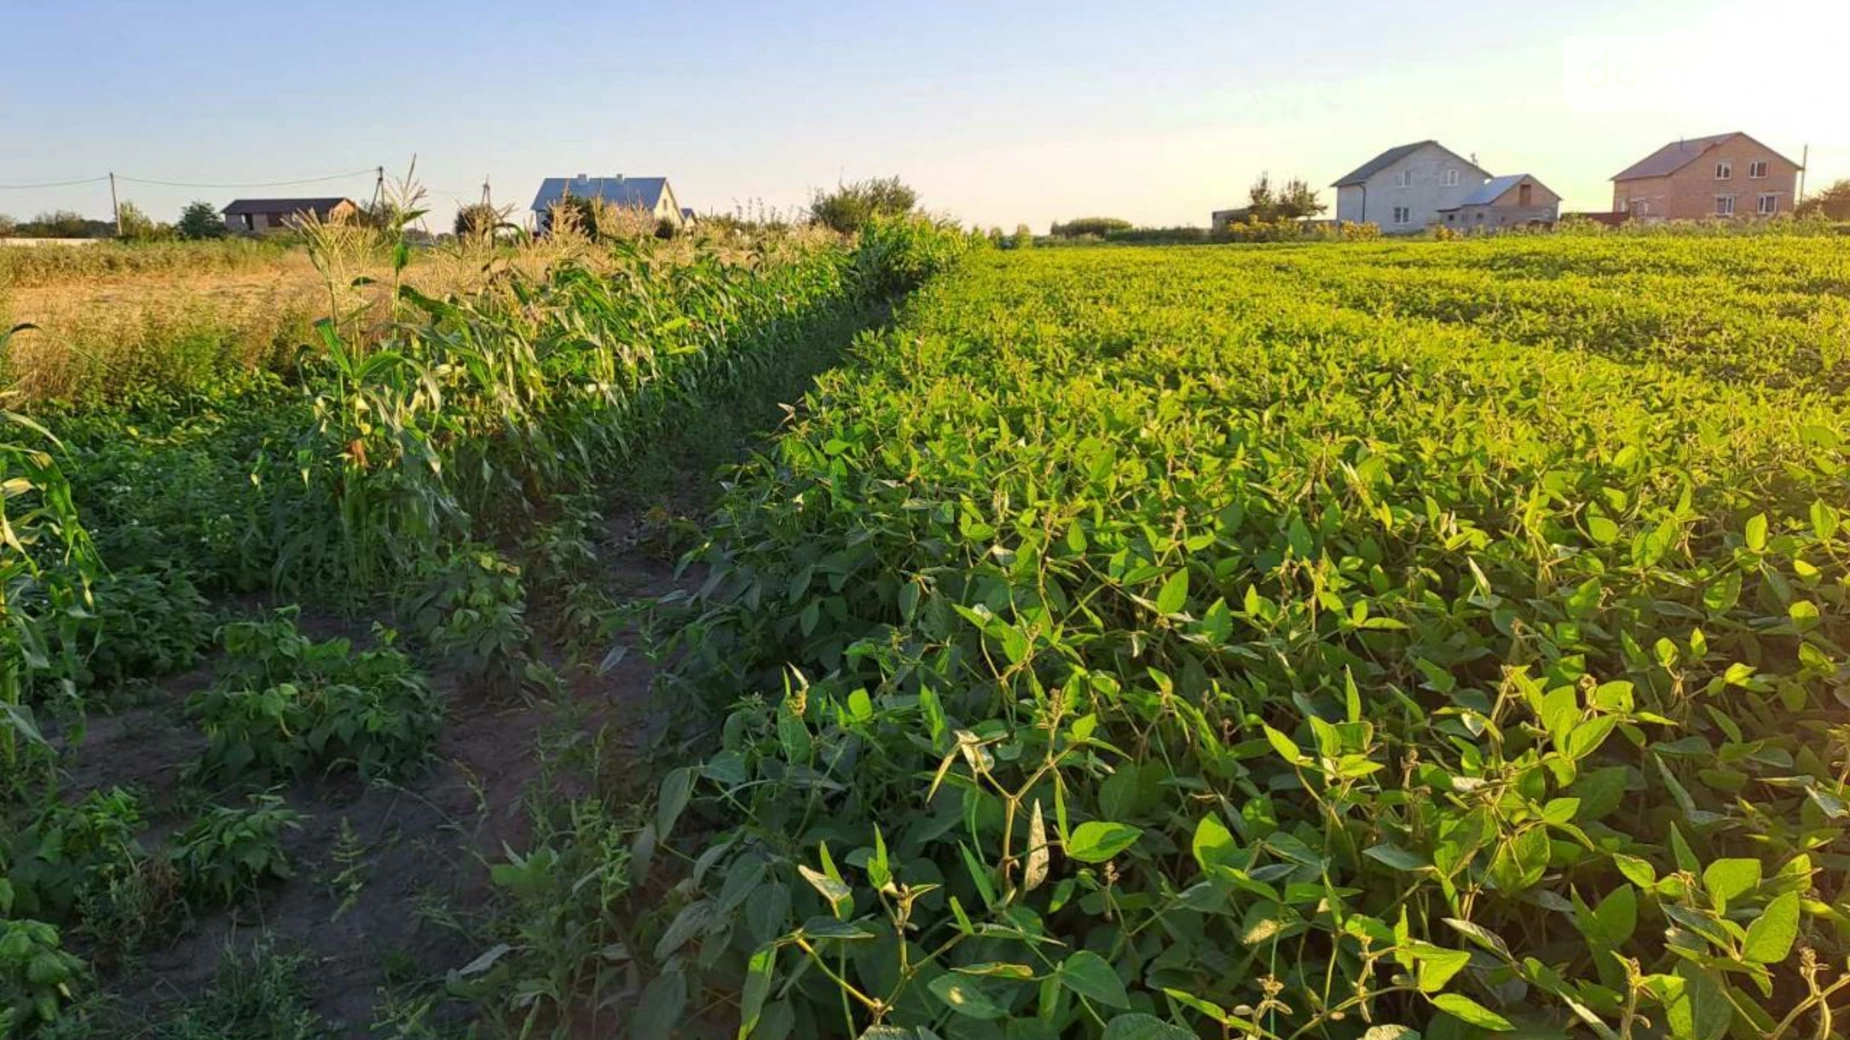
[1425,194]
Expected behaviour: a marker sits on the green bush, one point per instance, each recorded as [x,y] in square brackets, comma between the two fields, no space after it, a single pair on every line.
[1100,227]
[230,849]
[200,221]
[286,706]
[897,254]
[852,207]
[472,610]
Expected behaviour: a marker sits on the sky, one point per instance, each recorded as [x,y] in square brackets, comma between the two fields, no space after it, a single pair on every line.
[999,112]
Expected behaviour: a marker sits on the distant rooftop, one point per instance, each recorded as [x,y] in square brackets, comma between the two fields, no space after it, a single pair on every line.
[634,192]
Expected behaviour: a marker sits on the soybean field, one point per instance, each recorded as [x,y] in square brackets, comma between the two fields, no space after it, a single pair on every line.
[1357,641]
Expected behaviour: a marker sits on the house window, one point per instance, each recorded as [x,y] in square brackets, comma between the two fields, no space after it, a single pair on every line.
[1724,205]
[1403,179]
[1757,170]
[1638,207]
[1403,214]
[1724,170]
[1769,204]
[248,226]
[1449,179]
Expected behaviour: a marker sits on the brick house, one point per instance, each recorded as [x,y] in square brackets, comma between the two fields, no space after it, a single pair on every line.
[257,216]
[1727,175]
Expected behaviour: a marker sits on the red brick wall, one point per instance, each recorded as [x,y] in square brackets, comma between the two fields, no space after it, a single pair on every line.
[1690,193]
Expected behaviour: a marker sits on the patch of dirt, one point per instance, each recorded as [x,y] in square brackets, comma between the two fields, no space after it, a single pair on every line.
[390,879]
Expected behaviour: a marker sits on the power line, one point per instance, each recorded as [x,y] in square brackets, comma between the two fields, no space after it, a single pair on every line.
[53,184]
[263,184]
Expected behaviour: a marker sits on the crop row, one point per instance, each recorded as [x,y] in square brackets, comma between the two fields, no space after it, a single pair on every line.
[1170,643]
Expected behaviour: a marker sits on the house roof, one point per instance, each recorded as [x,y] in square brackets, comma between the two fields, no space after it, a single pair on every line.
[1678,154]
[1388,158]
[319,207]
[635,192]
[1493,189]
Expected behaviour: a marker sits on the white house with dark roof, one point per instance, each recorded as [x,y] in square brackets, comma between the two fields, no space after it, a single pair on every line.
[651,195]
[1408,187]
[1516,200]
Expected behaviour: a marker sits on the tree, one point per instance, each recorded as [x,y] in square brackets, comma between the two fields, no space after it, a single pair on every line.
[135,226]
[200,220]
[851,206]
[1295,201]
[1100,226]
[479,220]
[1024,237]
[7,226]
[61,223]
[1833,203]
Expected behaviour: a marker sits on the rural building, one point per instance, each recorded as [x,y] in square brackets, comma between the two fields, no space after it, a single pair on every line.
[688,219]
[257,216]
[1222,219]
[1406,188]
[651,195]
[1517,200]
[1727,175]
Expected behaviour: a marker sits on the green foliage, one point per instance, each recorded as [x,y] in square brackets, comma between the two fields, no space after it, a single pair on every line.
[136,226]
[145,624]
[286,705]
[1023,238]
[852,207]
[1833,203]
[479,220]
[472,610]
[199,221]
[46,563]
[898,254]
[1294,200]
[256,993]
[230,849]
[561,906]
[1097,226]
[1308,659]
[37,975]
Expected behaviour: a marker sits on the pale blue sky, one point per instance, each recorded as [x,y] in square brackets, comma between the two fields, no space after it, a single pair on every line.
[998,112]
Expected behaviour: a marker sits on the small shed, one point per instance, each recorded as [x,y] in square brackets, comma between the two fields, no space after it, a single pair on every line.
[257,216]
[1516,200]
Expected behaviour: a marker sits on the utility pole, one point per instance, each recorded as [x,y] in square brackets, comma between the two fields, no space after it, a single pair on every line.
[488,198]
[378,188]
[113,204]
[1804,161]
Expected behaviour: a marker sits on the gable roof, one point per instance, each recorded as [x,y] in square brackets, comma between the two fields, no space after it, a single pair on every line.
[319,207]
[1388,158]
[634,192]
[1678,154]
[1494,188]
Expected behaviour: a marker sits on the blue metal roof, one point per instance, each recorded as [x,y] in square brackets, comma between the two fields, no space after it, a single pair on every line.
[1492,189]
[635,192]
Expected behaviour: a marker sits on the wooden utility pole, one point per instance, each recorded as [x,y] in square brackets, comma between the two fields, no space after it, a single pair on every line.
[1804,161]
[113,204]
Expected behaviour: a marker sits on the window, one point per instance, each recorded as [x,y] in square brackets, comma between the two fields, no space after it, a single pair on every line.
[1403,214]
[1403,179]
[1525,195]
[1449,179]
[1769,204]
[1724,170]
[1757,169]
[1724,205]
